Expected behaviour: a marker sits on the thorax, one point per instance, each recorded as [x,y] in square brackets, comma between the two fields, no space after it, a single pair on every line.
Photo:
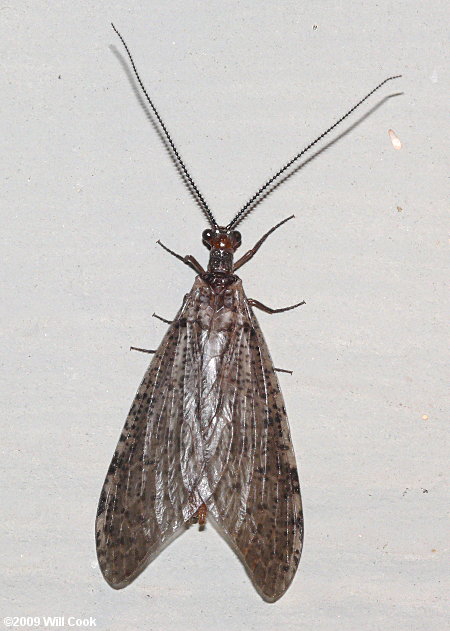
[218,303]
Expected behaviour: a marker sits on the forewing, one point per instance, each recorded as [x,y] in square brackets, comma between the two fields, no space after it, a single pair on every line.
[145,498]
[257,500]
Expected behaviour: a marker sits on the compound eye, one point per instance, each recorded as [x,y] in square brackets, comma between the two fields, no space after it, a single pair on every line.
[206,235]
[237,238]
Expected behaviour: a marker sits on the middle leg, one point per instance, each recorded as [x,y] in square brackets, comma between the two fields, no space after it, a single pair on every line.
[259,305]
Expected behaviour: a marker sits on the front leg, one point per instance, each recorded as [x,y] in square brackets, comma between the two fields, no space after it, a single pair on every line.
[188,259]
[251,253]
[259,305]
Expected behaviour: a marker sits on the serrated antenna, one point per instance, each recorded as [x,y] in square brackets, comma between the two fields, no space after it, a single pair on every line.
[183,167]
[246,208]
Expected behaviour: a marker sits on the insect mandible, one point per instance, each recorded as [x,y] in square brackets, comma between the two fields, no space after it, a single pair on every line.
[207,435]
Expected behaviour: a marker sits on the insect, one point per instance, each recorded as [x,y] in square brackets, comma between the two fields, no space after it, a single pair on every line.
[207,436]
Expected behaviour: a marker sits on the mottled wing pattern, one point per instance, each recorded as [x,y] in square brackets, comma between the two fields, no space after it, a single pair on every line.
[208,425]
[145,498]
[257,500]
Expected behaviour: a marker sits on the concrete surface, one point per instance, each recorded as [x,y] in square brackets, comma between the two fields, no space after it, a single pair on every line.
[88,188]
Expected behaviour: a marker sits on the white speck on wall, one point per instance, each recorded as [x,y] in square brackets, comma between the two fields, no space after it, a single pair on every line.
[396,142]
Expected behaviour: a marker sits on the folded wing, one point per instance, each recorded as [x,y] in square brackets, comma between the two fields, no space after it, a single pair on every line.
[208,425]
[257,499]
[146,498]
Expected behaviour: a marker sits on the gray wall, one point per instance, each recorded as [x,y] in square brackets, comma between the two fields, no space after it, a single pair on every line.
[88,188]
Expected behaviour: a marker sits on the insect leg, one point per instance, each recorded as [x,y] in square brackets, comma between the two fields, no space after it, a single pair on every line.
[248,255]
[259,305]
[188,259]
[290,372]
[200,515]
[141,350]
[155,315]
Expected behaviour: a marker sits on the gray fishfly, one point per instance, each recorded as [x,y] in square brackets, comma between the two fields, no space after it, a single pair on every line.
[207,434]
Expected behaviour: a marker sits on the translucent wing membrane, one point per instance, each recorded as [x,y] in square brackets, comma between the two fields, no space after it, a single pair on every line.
[208,425]
[144,500]
[257,500]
